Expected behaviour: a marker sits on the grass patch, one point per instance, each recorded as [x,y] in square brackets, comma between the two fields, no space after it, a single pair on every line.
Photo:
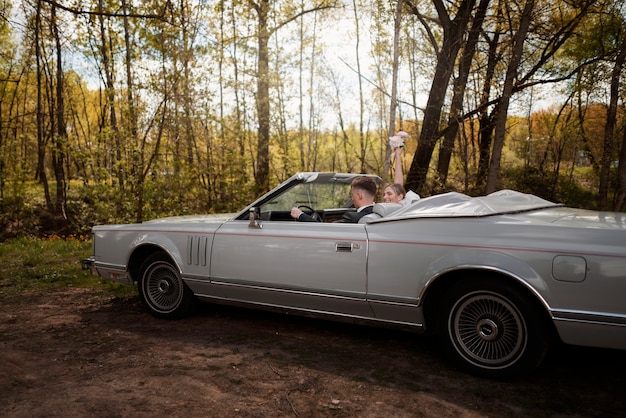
[49,263]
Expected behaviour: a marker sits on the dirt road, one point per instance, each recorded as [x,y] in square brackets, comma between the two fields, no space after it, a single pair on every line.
[82,352]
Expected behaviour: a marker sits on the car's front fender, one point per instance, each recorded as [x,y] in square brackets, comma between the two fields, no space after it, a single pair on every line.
[148,243]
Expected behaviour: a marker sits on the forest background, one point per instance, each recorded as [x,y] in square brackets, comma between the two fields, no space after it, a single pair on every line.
[121,110]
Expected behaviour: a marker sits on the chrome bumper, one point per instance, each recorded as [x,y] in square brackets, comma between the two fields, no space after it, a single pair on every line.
[110,272]
[89,264]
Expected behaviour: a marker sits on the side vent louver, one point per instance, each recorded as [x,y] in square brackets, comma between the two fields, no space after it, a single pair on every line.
[196,250]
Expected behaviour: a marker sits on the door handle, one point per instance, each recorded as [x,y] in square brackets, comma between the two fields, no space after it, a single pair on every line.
[346,247]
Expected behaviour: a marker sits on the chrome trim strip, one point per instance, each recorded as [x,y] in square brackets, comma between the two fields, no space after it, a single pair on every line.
[304,292]
[301,292]
[420,297]
[345,296]
[392,303]
[590,317]
[313,312]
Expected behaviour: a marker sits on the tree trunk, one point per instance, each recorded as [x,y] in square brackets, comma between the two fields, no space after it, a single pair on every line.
[503,104]
[610,127]
[452,40]
[136,157]
[485,118]
[621,177]
[313,142]
[263,99]
[41,136]
[357,41]
[107,69]
[454,123]
[60,139]
[394,88]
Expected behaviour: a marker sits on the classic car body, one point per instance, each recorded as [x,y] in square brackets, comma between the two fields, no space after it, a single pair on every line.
[498,278]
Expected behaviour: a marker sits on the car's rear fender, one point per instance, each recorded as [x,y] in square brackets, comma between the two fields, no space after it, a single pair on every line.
[461,265]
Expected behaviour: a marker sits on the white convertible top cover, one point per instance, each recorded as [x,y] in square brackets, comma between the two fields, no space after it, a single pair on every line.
[457,204]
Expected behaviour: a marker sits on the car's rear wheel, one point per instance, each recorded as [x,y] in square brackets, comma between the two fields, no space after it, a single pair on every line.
[492,329]
[162,290]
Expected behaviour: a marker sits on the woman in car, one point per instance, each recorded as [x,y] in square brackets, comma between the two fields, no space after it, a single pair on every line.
[395,192]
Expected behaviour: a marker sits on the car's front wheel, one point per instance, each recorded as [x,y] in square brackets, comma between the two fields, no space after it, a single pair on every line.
[162,290]
[492,329]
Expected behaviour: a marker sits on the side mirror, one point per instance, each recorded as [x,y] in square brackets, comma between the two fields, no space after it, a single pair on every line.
[254,223]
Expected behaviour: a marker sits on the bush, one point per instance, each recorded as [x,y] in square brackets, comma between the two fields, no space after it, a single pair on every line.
[566,191]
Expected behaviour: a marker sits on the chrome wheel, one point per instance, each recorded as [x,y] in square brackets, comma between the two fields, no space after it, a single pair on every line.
[162,290]
[492,327]
[488,329]
[163,287]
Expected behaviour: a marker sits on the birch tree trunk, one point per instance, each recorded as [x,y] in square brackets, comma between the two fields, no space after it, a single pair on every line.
[59,141]
[41,135]
[394,88]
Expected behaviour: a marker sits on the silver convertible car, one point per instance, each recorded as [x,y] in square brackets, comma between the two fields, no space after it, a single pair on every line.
[497,278]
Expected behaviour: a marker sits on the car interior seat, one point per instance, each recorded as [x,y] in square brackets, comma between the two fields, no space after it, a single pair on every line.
[380,211]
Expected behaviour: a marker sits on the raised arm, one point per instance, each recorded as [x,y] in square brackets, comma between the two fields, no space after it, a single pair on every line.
[398,177]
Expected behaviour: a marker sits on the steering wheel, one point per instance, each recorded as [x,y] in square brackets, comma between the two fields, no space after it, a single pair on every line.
[311,212]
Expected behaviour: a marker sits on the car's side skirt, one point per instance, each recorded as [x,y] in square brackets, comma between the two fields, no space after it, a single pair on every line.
[341,303]
[307,302]
[312,313]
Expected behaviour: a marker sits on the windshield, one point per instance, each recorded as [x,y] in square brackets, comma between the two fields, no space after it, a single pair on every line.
[328,194]
[314,195]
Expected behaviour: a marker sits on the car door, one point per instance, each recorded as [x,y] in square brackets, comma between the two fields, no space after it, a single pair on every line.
[307,266]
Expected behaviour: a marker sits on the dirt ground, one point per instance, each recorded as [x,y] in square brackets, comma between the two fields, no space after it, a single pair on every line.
[82,352]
